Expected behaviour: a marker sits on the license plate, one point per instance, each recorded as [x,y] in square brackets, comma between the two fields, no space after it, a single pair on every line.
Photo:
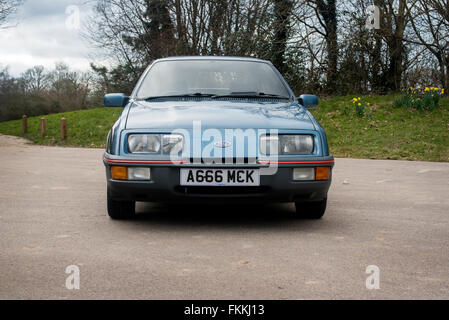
[220,177]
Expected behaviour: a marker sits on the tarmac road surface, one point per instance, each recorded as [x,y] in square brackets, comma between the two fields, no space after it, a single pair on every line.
[393,215]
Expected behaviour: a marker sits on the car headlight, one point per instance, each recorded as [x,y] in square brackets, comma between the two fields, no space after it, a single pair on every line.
[295,144]
[172,144]
[144,143]
[286,144]
[156,143]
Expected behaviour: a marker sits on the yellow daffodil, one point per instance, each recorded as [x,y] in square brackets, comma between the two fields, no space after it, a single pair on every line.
[426,89]
[359,98]
[360,104]
[442,91]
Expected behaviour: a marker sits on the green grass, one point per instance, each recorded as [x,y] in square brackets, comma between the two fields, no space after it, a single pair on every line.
[85,128]
[384,132]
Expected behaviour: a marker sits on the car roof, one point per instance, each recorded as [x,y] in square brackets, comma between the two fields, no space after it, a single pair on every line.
[221,58]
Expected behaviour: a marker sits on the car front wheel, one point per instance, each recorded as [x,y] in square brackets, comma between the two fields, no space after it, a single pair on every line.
[121,210]
[311,210]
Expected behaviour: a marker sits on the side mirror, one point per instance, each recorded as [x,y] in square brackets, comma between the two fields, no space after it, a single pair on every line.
[308,100]
[118,100]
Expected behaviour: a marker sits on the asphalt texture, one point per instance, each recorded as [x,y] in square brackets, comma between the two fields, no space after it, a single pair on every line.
[393,215]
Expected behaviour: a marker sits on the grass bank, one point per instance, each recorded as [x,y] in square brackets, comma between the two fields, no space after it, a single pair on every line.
[85,128]
[384,132]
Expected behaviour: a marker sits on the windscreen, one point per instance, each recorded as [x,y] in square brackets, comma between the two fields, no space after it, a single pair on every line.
[215,77]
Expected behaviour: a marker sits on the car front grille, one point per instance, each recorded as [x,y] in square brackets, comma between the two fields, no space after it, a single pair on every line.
[224,160]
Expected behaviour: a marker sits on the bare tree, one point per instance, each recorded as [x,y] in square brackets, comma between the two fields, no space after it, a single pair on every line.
[327,16]
[431,29]
[281,25]
[319,19]
[7,9]
[395,19]
[196,27]
[112,22]
[320,45]
[34,79]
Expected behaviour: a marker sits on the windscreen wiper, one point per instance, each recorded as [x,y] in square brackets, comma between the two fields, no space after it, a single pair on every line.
[196,94]
[250,95]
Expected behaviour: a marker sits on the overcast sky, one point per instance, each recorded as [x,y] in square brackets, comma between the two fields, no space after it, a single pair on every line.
[45,34]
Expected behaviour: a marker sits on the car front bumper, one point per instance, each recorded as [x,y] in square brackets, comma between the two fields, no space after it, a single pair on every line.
[164,185]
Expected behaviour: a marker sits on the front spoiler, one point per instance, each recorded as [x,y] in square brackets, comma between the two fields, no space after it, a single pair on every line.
[165,183]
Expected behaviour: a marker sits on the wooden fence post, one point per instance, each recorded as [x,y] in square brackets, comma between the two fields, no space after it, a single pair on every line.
[43,126]
[24,124]
[63,128]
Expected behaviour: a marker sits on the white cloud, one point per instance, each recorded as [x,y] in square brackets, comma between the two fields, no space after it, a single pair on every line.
[42,38]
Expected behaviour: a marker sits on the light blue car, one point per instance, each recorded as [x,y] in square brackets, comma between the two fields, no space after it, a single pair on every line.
[216,129]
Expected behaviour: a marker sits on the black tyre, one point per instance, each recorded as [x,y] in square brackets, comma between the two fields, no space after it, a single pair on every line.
[121,210]
[311,210]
